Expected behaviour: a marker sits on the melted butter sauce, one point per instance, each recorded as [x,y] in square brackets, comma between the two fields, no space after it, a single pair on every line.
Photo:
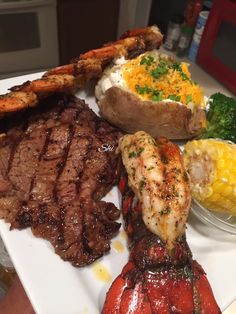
[101,272]
[83,311]
[118,246]
[123,234]
[110,194]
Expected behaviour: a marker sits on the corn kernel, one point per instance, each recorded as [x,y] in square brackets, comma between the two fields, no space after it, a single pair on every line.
[215,197]
[221,163]
[218,192]
[228,190]
[218,186]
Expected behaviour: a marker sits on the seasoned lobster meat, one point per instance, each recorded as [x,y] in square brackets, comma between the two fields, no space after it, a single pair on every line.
[157,176]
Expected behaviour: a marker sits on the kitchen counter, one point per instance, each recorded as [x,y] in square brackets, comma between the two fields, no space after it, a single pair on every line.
[210,85]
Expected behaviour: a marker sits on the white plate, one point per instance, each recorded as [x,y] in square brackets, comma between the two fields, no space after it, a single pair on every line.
[56,287]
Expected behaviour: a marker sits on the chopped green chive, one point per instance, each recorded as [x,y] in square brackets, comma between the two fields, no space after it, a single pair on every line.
[165,211]
[177,67]
[188,98]
[157,96]
[161,69]
[132,154]
[141,149]
[147,60]
[174,97]
[143,89]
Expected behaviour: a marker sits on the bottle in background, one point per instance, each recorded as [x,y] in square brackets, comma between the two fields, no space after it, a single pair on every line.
[173,32]
[184,41]
[191,13]
[201,22]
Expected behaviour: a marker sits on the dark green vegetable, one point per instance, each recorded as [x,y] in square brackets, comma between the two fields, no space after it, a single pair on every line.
[161,69]
[174,97]
[221,118]
[143,89]
[177,67]
[156,95]
[188,98]
[147,60]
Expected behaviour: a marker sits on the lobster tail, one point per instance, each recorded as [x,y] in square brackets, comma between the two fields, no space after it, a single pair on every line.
[156,280]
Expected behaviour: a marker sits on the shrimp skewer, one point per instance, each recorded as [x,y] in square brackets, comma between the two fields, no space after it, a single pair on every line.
[89,66]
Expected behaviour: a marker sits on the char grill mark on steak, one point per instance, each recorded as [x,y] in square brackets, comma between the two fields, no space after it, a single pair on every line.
[67,183]
[28,149]
[53,176]
[50,164]
[61,165]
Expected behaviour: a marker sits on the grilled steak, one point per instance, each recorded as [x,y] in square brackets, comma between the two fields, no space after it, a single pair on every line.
[54,171]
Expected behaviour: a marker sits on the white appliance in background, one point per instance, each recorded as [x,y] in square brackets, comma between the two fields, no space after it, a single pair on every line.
[133,14]
[28,36]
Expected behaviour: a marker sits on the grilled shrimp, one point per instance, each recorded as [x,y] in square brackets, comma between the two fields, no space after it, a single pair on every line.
[88,66]
[157,177]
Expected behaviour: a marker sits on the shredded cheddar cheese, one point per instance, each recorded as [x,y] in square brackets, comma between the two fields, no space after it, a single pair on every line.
[153,78]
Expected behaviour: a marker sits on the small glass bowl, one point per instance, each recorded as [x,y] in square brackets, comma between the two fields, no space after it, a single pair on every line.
[222,221]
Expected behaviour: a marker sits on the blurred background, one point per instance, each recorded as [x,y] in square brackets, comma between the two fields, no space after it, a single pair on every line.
[36,35]
[39,34]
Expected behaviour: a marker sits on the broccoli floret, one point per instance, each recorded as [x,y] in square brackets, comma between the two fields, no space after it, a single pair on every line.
[221,118]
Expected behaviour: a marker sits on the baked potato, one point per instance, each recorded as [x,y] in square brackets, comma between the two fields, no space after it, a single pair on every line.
[152,93]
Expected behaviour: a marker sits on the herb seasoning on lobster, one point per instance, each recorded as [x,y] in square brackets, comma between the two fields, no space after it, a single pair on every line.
[161,276]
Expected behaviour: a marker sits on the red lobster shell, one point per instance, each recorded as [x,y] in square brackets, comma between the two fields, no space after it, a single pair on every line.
[153,281]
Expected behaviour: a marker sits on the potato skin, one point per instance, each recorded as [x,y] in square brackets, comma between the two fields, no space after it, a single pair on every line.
[170,119]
